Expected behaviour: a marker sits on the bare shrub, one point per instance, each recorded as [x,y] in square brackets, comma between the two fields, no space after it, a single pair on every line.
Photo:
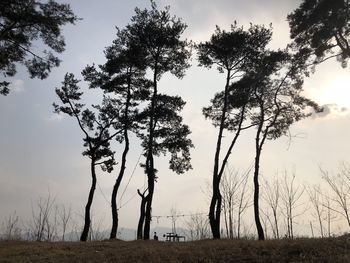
[235,200]
[11,229]
[197,226]
[42,226]
[340,187]
[272,198]
[291,195]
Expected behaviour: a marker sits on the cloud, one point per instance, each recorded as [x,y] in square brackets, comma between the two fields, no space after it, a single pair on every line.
[331,110]
[17,85]
[56,117]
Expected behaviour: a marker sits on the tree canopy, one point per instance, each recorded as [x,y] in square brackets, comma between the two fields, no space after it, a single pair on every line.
[323,28]
[231,52]
[123,76]
[23,22]
[99,126]
[158,34]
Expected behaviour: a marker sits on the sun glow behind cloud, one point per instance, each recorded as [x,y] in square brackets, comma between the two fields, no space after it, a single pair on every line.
[335,91]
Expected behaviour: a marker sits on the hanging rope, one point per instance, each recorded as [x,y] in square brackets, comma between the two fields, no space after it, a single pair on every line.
[175,216]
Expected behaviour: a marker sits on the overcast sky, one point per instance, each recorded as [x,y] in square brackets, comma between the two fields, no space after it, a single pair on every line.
[41,152]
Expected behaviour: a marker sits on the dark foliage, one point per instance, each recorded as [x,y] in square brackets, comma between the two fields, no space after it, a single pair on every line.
[21,23]
[96,124]
[322,28]
[158,34]
[232,53]
[276,103]
[123,76]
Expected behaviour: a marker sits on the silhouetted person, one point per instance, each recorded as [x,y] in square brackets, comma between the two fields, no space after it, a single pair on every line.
[155,237]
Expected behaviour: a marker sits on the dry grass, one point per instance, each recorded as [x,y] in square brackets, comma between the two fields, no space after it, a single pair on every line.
[301,250]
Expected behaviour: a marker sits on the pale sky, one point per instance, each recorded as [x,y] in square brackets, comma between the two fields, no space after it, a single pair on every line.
[40,150]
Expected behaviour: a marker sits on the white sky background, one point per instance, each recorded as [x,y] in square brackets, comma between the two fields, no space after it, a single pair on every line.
[41,152]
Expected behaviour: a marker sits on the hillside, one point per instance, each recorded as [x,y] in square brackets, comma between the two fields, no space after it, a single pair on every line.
[301,250]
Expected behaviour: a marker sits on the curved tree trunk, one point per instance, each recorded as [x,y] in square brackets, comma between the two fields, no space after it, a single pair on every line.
[215,210]
[259,227]
[87,223]
[215,204]
[116,187]
[122,167]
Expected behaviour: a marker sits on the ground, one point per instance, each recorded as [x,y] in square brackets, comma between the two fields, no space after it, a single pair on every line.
[299,250]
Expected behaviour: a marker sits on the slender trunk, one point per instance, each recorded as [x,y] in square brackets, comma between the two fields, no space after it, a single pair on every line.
[239,224]
[116,187]
[276,224]
[149,160]
[320,220]
[329,218]
[240,211]
[148,211]
[259,227]
[122,167]
[346,214]
[291,222]
[258,148]
[142,215]
[215,204]
[226,220]
[230,219]
[87,223]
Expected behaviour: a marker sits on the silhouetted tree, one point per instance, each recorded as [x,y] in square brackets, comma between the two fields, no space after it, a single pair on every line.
[25,21]
[123,75]
[278,104]
[142,213]
[230,52]
[95,127]
[321,28]
[158,33]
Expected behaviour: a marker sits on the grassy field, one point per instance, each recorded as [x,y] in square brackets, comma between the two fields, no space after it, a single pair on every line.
[301,250]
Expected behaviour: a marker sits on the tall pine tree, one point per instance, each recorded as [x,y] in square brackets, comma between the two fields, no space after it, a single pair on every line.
[159,33]
[123,76]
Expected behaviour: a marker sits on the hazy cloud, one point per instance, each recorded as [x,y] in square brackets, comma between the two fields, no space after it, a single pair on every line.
[56,117]
[331,110]
[17,85]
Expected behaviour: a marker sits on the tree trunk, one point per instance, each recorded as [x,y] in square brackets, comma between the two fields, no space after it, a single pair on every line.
[87,223]
[116,187]
[239,224]
[230,220]
[148,212]
[214,210]
[142,215]
[149,159]
[215,204]
[259,227]
[276,224]
[122,168]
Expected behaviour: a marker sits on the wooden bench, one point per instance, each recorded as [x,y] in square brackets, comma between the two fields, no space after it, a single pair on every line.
[171,237]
